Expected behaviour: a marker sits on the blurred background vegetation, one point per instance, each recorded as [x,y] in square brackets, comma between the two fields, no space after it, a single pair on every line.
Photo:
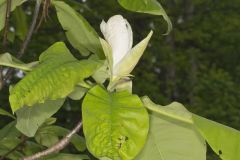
[197,64]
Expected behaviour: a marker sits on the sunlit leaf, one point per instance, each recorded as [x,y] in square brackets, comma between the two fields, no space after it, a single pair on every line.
[115,124]
[55,77]
[225,141]
[170,138]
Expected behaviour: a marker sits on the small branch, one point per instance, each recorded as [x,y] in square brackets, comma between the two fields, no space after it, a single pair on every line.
[31,29]
[24,139]
[7,15]
[45,8]
[58,146]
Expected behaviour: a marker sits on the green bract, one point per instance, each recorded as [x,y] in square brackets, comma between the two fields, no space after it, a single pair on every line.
[55,77]
[115,124]
[127,64]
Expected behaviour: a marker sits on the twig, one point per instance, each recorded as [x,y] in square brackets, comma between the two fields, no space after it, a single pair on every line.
[26,41]
[58,146]
[31,29]
[24,139]
[7,15]
[45,8]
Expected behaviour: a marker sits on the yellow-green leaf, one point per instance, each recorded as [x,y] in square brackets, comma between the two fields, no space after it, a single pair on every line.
[115,125]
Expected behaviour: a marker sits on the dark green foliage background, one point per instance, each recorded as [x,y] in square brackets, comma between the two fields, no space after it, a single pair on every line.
[197,64]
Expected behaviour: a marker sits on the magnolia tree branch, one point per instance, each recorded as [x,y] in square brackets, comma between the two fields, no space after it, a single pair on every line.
[31,29]
[26,40]
[58,146]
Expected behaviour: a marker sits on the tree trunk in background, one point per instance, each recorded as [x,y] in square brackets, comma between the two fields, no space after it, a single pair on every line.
[189,8]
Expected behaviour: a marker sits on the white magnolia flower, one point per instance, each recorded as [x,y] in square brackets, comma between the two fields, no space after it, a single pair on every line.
[118,34]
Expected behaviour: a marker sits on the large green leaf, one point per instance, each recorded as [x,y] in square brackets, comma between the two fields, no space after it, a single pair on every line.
[170,138]
[29,119]
[8,60]
[55,77]
[79,32]
[48,134]
[175,110]
[146,6]
[115,124]
[225,141]
[3,6]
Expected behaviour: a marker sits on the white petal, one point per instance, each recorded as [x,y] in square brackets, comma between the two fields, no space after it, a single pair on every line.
[118,34]
[130,35]
[103,26]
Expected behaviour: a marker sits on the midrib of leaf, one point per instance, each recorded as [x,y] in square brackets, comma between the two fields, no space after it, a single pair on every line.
[111,121]
[169,114]
[158,148]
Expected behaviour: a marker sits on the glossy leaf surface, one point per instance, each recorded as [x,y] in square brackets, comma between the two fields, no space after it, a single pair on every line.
[55,77]
[115,125]
[170,138]
[225,141]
